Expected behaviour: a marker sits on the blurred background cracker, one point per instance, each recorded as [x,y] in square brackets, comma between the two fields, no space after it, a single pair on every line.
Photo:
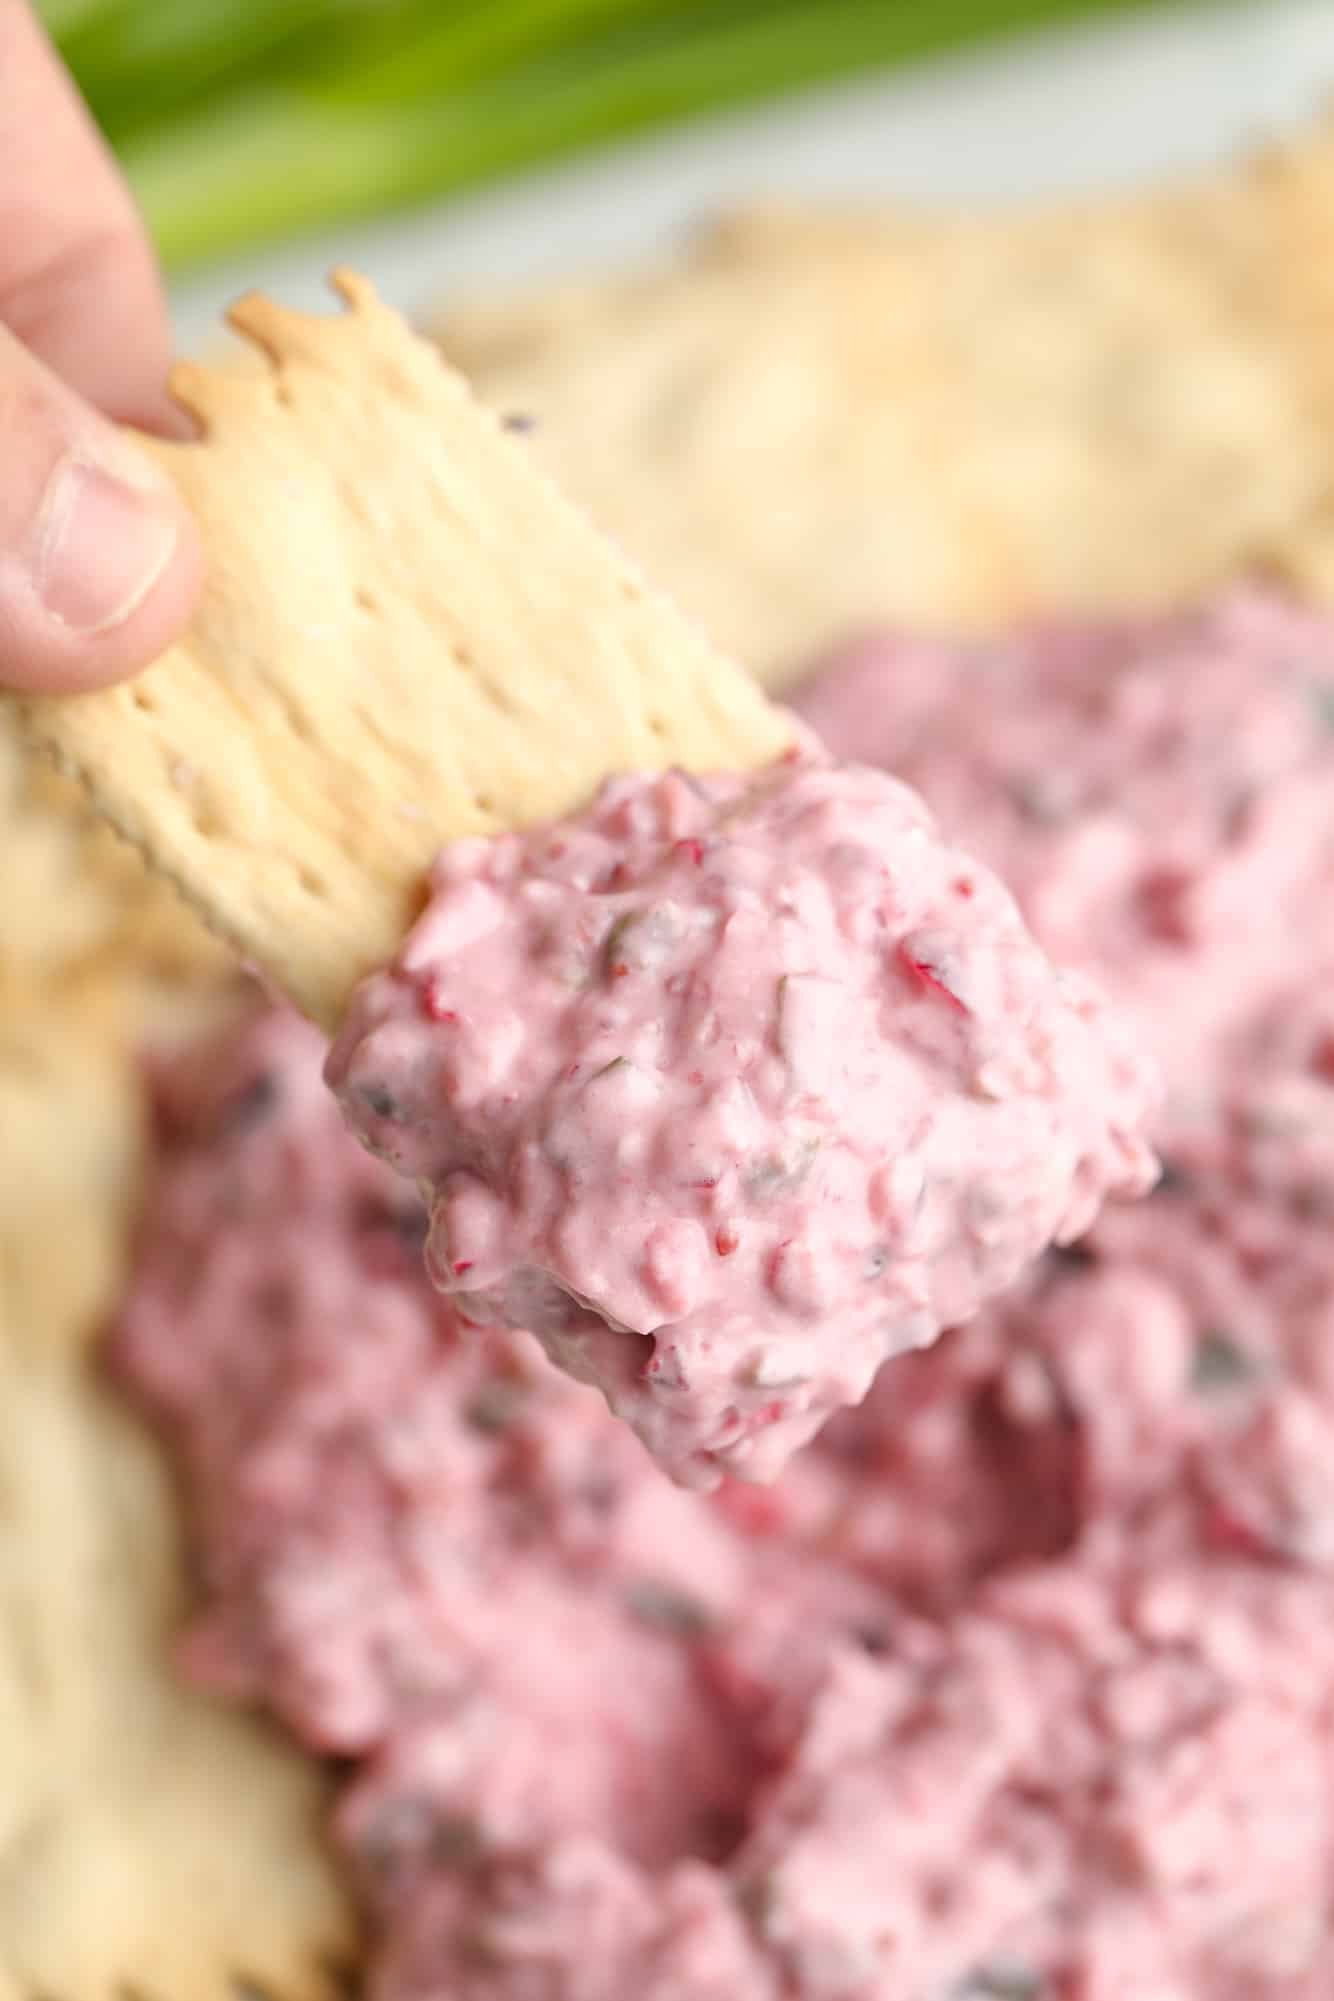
[817,419]
[150,1840]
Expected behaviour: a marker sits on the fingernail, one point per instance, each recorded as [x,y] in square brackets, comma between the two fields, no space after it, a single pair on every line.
[101,545]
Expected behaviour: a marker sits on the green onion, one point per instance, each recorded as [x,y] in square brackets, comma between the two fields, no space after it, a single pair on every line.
[243,121]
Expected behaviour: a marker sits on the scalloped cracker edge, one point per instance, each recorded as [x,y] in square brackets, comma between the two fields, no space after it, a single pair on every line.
[407,636]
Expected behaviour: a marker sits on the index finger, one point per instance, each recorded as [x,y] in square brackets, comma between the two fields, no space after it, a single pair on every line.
[79,284]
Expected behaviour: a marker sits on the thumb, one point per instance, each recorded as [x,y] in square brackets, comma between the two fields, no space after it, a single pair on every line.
[99,564]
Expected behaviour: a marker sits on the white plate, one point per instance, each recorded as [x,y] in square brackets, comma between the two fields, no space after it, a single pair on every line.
[1106,105]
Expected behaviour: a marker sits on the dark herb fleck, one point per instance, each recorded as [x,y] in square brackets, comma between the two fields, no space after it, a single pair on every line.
[757,1900]
[496,1406]
[410,1830]
[1173,1179]
[1311,1201]
[1001,1983]
[719,1831]
[412,1226]
[409,1222]
[873,1640]
[1041,799]
[1071,1257]
[610,1069]
[456,1841]
[1220,1363]
[274,1302]
[1239,815]
[519,421]
[613,947]
[601,1495]
[779,1173]
[249,1107]
[372,1212]
[379,1101]
[673,1611]
[401,1830]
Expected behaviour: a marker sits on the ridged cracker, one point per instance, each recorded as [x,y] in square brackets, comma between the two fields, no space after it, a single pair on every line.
[152,1842]
[816,419]
[76,897]
[408,635]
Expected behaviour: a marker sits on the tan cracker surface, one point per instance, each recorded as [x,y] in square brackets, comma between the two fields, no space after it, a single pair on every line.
[407,635]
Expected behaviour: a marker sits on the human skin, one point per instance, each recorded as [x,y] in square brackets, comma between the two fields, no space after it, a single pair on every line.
[99,562]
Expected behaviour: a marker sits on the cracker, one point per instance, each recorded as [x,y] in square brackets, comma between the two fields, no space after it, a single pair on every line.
[819,418]
[75,894]
[151,1841]
[407,636]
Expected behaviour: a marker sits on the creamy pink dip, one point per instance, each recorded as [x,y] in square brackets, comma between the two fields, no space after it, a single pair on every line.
[1157,796]
[1018,1685]
[729,1089]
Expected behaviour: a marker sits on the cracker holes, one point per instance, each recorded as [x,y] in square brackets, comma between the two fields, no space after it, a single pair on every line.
[143,701]
[484,802]
[366,601]
[657,726]
[500,698]
[294,716]
[205,821]
[282,393]
[311,881]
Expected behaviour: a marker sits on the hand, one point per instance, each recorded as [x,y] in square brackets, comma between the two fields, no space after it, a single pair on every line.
[99,565]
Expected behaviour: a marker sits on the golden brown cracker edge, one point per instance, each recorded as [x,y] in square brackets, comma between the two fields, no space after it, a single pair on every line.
[407,635]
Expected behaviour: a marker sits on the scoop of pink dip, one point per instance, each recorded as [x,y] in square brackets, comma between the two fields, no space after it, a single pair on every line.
[730,1089]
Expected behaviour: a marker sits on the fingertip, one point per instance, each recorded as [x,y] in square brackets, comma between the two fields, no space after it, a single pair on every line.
[161,614]
[87,620]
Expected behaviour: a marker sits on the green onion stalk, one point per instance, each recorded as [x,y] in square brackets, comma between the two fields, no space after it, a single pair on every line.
[240,123]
